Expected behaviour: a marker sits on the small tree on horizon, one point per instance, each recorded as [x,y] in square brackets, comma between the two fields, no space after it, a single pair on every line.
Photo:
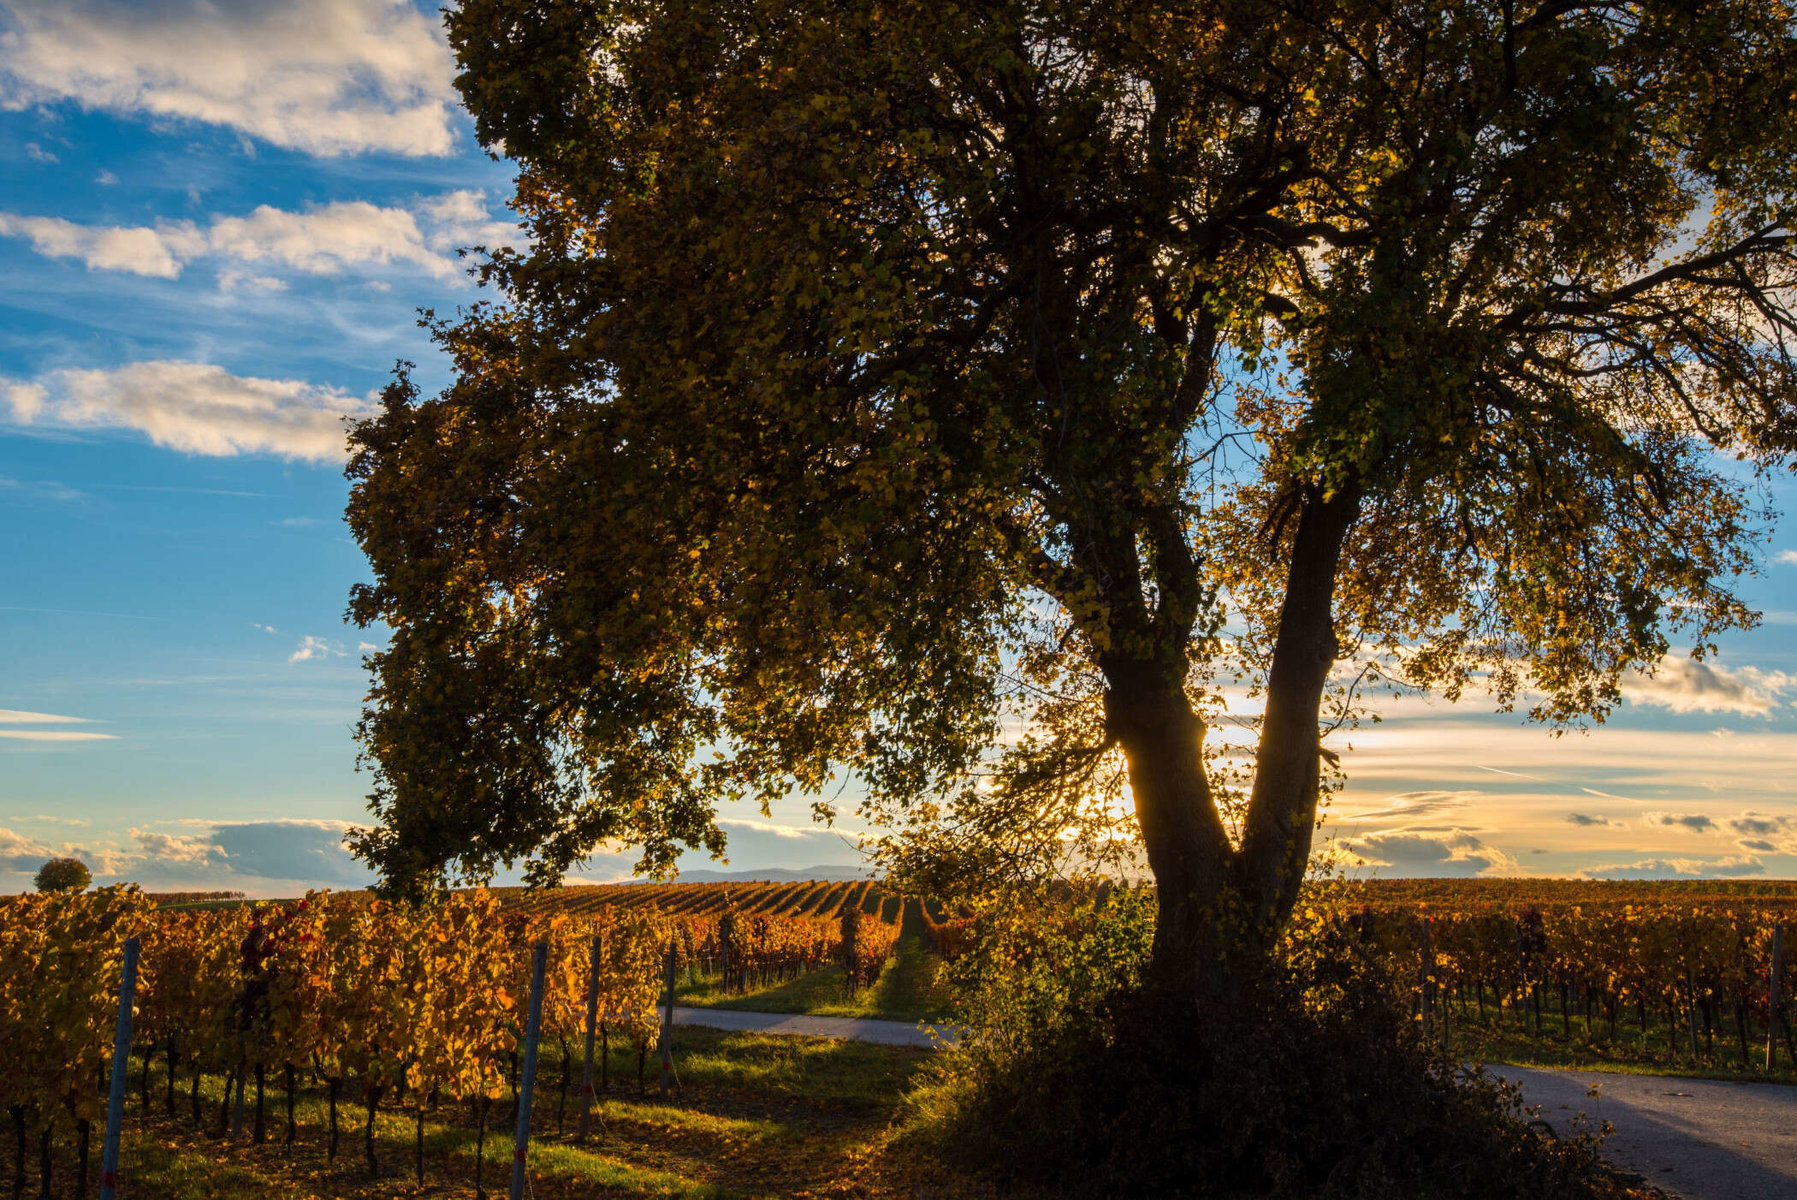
[63,875]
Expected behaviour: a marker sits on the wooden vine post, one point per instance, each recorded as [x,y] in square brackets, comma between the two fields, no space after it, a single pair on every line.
[1428,964]
[121,1064]
[667,1027]
[533,1027]
[1772,980]
[594,957]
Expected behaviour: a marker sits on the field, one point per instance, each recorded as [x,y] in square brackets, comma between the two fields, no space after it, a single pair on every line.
[410,1023]
[752,1116]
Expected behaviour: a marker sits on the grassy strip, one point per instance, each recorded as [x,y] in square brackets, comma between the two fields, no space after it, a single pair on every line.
[1629,1052]
[908,989]
[754,1116]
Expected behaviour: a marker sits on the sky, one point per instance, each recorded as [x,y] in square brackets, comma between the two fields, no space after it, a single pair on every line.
[220,224]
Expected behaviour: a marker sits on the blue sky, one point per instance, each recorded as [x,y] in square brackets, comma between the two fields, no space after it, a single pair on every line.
[219,224]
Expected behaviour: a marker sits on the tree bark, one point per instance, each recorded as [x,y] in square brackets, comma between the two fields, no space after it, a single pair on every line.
[1147,711]
[1221,907]
[1282,807]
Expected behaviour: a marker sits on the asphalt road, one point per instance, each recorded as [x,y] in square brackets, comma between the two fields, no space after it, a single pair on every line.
[1695,1138]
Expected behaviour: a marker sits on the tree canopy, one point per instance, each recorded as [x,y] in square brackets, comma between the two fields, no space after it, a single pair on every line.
[972,398]
[63,875]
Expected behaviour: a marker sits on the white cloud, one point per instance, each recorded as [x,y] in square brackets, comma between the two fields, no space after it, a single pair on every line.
[460,219]
[1680,868]
[314,647]
[324,240]
[138,250]
[194,407]
[1431,853]
[106,178]
[1685,685]
[20,853]
[174,850]
[1787,557]
[323,76]
[37,153]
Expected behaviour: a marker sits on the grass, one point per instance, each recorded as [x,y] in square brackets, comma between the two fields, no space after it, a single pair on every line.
[909,988]
[752,1117]
[1504,1039]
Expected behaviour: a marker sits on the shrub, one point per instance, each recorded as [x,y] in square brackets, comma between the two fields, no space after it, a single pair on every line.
[1312,1080]
[63,875]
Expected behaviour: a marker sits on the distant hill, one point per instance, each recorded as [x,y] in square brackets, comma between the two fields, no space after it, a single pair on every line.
[776,875]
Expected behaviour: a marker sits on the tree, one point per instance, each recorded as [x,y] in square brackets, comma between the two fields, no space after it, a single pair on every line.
[879,375]
[63,875]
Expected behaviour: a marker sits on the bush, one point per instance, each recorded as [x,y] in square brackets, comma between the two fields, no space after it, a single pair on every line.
[63,875]
[1312,1081]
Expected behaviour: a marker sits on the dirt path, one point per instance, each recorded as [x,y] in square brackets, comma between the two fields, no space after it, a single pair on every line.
[1696,1138]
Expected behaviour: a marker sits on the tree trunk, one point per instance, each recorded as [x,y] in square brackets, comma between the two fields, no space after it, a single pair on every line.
[1221,908]
[1282,807]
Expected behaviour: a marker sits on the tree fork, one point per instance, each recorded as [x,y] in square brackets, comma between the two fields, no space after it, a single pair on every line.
[1282,807]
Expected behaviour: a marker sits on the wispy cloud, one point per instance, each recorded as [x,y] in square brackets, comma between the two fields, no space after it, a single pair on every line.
[1589,821]
[14,716]
[774,828]
[1787,557]
[311,647]
[35,731]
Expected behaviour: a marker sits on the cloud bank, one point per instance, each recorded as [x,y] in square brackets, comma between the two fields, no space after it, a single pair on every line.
[1683,685]
[195,408]
[325,240]
[327,77]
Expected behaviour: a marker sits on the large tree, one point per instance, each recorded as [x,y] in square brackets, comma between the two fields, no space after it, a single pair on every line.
[962,398]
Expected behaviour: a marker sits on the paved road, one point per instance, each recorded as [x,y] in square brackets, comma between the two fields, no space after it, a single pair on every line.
[1696,1138]
[854,1029]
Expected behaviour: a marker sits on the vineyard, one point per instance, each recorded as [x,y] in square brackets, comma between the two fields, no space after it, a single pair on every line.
[419,1011]
[413,1008]
[1685,974]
